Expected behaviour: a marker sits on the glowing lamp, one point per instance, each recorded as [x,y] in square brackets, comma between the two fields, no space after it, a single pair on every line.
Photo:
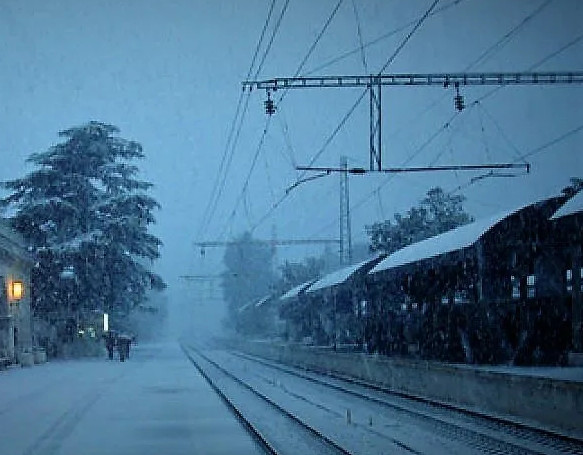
[17,288]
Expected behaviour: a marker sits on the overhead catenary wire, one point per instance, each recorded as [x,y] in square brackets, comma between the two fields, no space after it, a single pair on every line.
[359,34]
[377,40]
[552,142]
[313,46]
[417,24]
[473,180]
[298,71]
[215,193]
[448,122]
[546,146]
[489,52]
[501,131]
[272,37]
[408,37]
[314,158]
[502,43]
[247,178]
[287,140]
[505,39]
[268,175]
[259,67]
[478,101]
[391,58]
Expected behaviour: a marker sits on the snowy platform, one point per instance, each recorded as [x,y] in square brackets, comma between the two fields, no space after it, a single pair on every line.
[574,374]
[155,403]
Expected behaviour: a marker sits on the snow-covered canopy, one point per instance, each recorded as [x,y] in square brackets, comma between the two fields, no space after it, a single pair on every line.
[244,307]
[453,240]
[255,303]
[295,291]
[572,206]
[341,275]
[262,301]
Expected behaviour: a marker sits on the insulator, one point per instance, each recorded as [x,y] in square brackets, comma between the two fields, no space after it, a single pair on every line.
[458,99]
[459,102]
[269,105]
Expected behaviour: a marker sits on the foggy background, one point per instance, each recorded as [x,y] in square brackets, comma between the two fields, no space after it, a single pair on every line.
[169,75]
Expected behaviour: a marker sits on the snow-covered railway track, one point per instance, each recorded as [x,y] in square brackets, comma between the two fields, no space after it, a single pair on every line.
[480,432]
[305,438]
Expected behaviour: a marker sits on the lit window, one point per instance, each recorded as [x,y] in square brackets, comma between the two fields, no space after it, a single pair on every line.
[17,289]
[569,280]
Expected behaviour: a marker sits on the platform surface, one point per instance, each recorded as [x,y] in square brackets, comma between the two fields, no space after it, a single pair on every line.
[154,403]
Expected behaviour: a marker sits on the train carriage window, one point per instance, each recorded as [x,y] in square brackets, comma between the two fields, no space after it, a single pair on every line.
[363,307]
[515,283]
[461,297]
[531,286]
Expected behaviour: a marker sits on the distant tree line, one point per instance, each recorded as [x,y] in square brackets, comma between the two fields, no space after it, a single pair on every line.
[437,212]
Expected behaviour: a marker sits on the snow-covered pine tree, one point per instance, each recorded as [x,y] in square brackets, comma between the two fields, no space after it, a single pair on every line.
[86,217]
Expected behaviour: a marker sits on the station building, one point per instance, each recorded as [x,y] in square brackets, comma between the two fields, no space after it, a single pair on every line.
[15,309]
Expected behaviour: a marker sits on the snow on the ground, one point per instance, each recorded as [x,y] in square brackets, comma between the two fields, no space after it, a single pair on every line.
[154,403]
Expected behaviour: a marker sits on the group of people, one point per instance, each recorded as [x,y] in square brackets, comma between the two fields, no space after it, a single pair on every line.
[120,341]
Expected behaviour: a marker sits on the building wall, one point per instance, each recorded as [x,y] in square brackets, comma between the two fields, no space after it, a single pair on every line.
[15,314]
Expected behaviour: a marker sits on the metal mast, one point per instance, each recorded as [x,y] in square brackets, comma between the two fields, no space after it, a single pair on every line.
[345,225]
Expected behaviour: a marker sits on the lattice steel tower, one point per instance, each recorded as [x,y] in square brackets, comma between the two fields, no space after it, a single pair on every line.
[345,233]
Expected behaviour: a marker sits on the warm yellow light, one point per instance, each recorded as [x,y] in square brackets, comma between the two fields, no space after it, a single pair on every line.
[17,290]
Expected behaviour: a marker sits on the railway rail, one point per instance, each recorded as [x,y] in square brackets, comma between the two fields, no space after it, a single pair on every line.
[314,438]
[478,433]
[481,430]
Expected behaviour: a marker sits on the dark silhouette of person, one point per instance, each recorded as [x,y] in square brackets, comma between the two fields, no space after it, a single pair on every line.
[110,344]
[123,347]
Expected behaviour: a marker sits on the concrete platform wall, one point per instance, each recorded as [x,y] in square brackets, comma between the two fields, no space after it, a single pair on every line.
[551,404]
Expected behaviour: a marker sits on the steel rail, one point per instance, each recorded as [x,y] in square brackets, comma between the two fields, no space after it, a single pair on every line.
[568,444]
[255,433]
[311,430]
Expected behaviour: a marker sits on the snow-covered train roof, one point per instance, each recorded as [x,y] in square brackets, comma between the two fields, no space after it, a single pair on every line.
[453,240]
[262,301]
[341,275]
[255,303]
[294,292]
[572,206]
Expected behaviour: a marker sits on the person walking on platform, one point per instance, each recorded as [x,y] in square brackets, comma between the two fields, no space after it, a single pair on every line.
[123,347]
[109,343]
